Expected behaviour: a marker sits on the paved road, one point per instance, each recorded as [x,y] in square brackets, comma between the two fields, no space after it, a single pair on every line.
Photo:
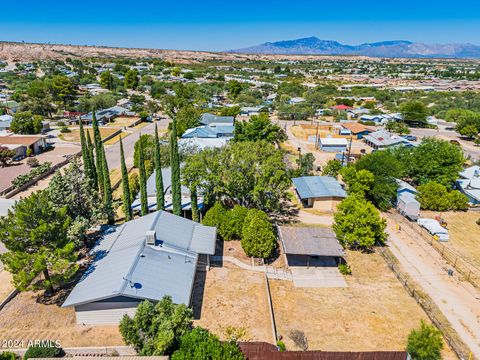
[113,151]
[458,300]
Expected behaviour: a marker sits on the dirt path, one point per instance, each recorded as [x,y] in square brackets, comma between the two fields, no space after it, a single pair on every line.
[458,300]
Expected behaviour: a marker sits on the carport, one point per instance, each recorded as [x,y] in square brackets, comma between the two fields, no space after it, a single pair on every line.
[310,246]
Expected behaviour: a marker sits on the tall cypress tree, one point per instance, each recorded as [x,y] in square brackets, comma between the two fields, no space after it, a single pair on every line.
[175,164]
[107,187]
[194,203]
[142,178]
[91,161]
[158,174]
[97,138]
[127,205]
[83,143]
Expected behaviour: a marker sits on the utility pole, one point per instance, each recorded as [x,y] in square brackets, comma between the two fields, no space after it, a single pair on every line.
[316,138]
[349,149]
[299,156]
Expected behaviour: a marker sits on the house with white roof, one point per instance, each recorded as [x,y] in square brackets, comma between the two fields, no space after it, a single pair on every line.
[469,184]
[142,259]
[382,139]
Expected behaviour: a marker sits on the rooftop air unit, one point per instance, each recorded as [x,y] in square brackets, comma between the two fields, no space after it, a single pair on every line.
[150,237]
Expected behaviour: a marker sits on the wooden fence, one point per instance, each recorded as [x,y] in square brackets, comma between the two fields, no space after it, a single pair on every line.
[469,271]
[427,304]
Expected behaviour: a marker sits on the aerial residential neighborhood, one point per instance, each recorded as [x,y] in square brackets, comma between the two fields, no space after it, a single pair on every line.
[296,199]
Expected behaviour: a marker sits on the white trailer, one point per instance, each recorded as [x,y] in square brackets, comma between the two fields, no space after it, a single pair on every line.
[408,206]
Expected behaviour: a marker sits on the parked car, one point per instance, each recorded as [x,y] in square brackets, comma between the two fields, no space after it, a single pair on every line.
[410,137]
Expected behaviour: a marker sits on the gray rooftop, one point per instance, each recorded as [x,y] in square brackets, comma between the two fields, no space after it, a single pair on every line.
[207,119]
[310,240]
[125,265]
[383,138]
[318,186]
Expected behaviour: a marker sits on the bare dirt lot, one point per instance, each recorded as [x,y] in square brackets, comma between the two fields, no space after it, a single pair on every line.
[122,121]
[6,286]
[464,234]
[74,134]
[373,313]
[26,319]
[234,297]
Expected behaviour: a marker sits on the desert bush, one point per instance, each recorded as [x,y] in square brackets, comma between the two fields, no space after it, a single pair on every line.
[39,351]
[32,162]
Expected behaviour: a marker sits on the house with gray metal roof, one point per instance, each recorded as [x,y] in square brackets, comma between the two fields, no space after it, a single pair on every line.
[469,184]
[382,139]
[207,119]
[319,192]
[143,259]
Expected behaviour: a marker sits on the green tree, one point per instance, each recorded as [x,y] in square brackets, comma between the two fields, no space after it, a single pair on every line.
[258,237]
[469,131]
[358,224]
[234,88]
[26,123]
[435,196]
[187,117]
[216,216]
[232,227]
[106,80]
[6,155]
[107,188]
[143,180]
[425,343]
[127,205]
[332,168]
[434,160]
[63,90]
[97,139]
[156,329]
[259,127]
[39,100]
[35,234]
[72,189]
[91,160]
[84,145]
[175,165]
[200,344]
[357,181]
[158,173]
[131,79]
[414,112]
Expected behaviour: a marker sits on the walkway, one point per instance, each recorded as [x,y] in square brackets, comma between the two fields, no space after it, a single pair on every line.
[458,300]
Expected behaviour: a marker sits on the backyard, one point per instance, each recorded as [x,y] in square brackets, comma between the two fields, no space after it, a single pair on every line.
[24,318]
[74,134]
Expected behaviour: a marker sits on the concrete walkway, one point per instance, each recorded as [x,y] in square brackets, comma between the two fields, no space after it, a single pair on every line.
[458,300]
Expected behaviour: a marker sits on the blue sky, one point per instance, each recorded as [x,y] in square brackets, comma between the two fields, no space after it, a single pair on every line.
[220,25]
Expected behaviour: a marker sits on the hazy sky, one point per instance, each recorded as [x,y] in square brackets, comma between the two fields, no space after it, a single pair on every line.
[221,25]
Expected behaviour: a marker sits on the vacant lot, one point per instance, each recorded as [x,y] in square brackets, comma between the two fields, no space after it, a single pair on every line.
[122,121]
[464,234]
[74,134]
[233,297]
[373,313]
[26,319]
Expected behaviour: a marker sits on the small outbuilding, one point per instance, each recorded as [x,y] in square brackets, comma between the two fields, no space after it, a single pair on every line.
[319,192]
[310,246]
[333,144]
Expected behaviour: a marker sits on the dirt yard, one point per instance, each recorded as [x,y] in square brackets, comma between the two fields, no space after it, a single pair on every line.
[233,297]
[464,234]
[373,313]
[6,286]
[26,319]
[74,134]
[122,121]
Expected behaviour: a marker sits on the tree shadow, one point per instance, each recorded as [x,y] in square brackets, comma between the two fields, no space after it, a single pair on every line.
[198,293]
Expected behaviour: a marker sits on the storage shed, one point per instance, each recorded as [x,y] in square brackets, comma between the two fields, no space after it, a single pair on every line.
[333,144]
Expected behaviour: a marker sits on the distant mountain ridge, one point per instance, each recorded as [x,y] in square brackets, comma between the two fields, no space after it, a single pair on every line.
[393,48]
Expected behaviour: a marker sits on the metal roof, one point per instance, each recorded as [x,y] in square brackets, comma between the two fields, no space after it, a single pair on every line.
[208,118]
[318,186]
[310,240]
[125,265]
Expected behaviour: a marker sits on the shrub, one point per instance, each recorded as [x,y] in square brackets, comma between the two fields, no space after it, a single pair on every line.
[39,351]
[29,152]
[7,355]
[425,343]
[345,269]
[32,162]
[25,178]
[216,216]
[435,196]
[232,227]
[65,130]
[258,236]
[281,346]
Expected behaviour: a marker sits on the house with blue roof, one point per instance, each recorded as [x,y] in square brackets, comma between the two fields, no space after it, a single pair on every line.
[319,192]
[142,259]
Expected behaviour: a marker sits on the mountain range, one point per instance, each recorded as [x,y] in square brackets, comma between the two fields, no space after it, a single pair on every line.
[391,49]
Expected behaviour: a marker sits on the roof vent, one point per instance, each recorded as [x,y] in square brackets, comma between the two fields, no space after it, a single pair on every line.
[150,237]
